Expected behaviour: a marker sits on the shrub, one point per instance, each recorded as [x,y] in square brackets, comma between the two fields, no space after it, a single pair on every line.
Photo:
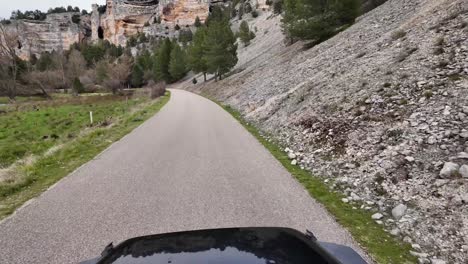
[78,86]
[157,89]
[247,8]
[254,13]
[278,7]
[194,81]
[428,94]
[147,24]
[177,27]
[76,19]
[398,34]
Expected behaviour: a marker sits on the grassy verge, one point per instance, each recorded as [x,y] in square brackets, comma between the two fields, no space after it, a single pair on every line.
[381,246]
[48,169]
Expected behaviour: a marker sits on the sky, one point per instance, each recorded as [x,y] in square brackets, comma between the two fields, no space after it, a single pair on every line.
[6,6]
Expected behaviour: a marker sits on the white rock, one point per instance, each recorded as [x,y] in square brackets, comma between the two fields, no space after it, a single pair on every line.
[464,171]
[419,255]
[409,159]
[395,232]
[399,211]
[345,200]
[449,169]
[292,155]
[462,155]
[294,162]
[438,261]
[416,246]
[377,216]
[424,261]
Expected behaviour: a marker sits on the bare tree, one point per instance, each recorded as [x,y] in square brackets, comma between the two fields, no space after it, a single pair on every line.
[9,42]
[118,74]
[75,67]
[46,81]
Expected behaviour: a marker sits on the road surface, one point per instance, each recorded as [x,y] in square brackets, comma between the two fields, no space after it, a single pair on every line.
[191,166]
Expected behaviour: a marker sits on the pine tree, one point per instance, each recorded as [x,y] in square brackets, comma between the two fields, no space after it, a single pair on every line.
[178,63]
[137,76]
[196,59]
[318,19]
[244,33]
[162,60]
[197,22]
[220,48]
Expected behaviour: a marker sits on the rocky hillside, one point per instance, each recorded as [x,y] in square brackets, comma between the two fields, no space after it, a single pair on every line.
[380,111]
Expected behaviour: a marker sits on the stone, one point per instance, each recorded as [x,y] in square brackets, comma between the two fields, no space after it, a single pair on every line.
[395,232]
[419,255]
[294,162]
[438,261]
[409,158]
[292,156]
[416,247]
[377,216]
[462,155]
[463,171]
[345,200]
[399,211]
[464,134]
[449,169]
[424,261]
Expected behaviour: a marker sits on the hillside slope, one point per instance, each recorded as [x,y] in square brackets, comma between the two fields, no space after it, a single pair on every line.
[381,109]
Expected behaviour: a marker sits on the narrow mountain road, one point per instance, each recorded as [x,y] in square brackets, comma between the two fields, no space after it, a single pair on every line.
[191,166]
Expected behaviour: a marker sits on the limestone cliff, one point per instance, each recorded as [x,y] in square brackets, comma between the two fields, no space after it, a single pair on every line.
[121,19]
[57,32]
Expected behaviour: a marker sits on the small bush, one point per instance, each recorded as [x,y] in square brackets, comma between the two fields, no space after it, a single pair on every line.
[398,34]
[76,19]
[147,24]
[428,94]
[157,89]
[194,81]
[439,41]
[254,13]
[278,7]
[177,27]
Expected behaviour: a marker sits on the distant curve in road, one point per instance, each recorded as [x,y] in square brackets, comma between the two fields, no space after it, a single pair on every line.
[191,166]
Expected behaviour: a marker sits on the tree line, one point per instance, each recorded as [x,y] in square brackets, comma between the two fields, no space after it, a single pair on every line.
[39,15]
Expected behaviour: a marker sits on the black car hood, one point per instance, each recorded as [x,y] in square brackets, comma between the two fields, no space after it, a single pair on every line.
[233,245]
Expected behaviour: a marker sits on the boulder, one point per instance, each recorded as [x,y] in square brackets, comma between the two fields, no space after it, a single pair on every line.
[449,169]
[399,211]
[464,171]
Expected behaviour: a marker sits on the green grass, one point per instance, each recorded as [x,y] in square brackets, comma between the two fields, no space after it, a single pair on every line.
[32,132]
[380,245]
[64,120]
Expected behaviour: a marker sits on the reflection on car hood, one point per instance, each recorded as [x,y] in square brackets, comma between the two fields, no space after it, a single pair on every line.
[233,245]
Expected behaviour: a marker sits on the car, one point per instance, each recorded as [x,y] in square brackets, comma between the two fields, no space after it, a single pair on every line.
[246,245]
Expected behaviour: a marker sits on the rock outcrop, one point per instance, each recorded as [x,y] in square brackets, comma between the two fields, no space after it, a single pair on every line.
[376,111]
[121,19]
[57,33]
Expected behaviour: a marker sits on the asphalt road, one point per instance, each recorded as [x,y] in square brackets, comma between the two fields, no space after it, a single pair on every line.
[191,166]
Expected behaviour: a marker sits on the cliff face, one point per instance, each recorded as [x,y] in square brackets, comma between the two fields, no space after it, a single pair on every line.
[122,19]
[57,32]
